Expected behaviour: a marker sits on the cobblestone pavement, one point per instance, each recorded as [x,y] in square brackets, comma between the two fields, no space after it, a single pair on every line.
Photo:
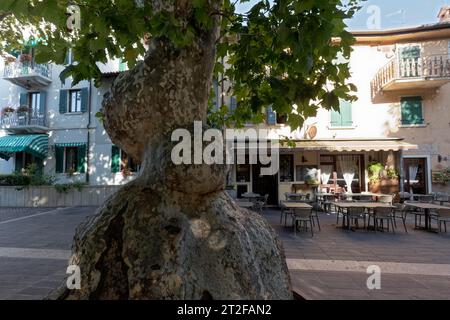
[35,245]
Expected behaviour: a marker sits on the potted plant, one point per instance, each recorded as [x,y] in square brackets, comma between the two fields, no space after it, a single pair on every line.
[25,58]
[126,172]
[6,111]
[23,109]
[312,182]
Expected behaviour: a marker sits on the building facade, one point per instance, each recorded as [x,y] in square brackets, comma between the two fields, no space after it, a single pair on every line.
[394,138]
[53,124]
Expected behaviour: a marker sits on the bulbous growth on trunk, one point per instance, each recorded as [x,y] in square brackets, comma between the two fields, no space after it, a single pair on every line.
[173,233]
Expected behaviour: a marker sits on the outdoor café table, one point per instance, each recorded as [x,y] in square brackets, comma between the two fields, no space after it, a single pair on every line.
[251,196]
[291,206]
[245,204]
[367,205]
[426,207]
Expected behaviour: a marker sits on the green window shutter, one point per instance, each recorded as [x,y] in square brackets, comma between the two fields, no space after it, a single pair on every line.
[346,114]
[59,157]
[335,118]
[23,99]
[233,104]
[343,117]
[115,159]
[271,116]
[122,65]
[42,102]
[19,162]
[69,57]
[412,110]
[63,101]
[81,164]
[84,99]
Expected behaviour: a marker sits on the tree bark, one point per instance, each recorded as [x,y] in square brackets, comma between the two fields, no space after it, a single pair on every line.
[173,233]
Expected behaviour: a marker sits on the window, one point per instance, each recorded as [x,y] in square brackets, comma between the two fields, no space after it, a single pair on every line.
[69,59]
[286,167]
[343,117]
[70,158]
[306,173]
[74,101]
[282,118]
[23,160]
[35,101]
[121,161]
[411,110]
[71,163]
[243,173]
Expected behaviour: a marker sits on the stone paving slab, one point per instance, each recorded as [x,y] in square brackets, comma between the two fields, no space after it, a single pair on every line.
[333,263]
[34,246]
[34,249]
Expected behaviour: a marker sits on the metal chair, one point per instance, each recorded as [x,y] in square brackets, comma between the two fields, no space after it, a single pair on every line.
[381,215]
[401,212]
[304,216]
[386,199]
[327,202]
[354,214]
[443,216]
[365,198]
[429,198]
[261,204]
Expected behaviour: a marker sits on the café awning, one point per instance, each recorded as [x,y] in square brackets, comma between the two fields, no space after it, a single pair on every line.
[352,145]
[34,144]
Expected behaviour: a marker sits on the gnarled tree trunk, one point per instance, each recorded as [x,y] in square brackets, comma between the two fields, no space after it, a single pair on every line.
[173,233]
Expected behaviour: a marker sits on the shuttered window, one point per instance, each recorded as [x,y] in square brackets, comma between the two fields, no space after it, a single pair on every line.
[73,101]
[115,159]
[412,110]
[70,159]
[233,104]
[343,117]
[121,161]
[271,116]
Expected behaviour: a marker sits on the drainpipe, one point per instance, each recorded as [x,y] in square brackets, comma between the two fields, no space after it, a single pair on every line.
[88,132]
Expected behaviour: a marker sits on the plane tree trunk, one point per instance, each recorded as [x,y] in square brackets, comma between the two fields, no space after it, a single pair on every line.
[173,233]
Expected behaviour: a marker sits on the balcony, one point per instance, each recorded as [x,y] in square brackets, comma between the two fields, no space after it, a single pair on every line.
[417,76]
[23,123]
[28,75]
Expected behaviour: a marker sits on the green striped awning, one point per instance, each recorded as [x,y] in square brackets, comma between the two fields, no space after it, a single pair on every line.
[70,144]
[34,144]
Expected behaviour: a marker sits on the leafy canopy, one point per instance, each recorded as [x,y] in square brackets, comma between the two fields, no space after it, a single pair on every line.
[279,53]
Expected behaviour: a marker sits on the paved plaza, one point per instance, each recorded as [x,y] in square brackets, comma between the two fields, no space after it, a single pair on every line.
[35,245]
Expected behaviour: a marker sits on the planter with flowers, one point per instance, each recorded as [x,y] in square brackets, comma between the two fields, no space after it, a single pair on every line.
[7,111]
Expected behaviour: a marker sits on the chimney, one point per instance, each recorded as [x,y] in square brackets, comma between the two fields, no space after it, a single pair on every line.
[444,14]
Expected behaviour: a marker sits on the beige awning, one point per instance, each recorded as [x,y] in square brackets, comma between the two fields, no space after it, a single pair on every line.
[351,145]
